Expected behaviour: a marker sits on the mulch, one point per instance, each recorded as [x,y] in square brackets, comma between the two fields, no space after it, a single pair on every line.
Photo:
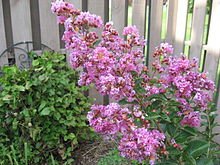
[89,153]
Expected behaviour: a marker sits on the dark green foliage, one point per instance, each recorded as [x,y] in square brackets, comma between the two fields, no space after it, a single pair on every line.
[42,113]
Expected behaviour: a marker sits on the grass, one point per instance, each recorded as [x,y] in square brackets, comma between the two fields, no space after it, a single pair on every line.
[113,158]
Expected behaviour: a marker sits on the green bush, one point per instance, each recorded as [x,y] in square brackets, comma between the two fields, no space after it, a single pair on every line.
[42,113]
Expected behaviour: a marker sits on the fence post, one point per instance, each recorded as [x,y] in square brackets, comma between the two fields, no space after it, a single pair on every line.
[198,22]
[156,11]
[48,25]
[3,59]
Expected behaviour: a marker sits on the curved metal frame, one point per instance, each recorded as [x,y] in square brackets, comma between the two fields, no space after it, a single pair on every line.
[24,57]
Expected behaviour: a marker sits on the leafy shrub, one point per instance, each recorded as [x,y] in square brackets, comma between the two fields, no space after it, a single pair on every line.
[42,112]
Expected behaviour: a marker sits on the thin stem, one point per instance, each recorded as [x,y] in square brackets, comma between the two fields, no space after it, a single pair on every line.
[209,133]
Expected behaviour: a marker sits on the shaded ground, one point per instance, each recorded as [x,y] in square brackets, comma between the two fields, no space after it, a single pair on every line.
[90,153]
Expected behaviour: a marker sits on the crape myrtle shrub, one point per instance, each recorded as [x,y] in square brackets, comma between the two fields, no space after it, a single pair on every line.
[158,109]
[42,112]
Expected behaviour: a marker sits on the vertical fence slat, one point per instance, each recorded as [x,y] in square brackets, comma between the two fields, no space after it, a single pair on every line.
[21,20]
[96,7]
[119,18]
[21,25]
[35,24]
[76,3]
[199,13]
[119,14]
[155,27]
[49,26]
[3,59]
[213,47]
[180,26]
[171,25]
[138,15]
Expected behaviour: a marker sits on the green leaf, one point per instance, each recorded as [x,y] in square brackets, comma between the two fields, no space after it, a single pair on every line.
[15,124]
[52,159]
[57,115]
[205,161]
[124,101]
[151,117]
[215,152]
[45,111]
[171,129]
[96,42]
[26,153]
[71,137]
[166,162]
[189,159]
[7,97]
[42,105]
[190,130]
[35,63]
[156,97]
[20,88]
[43,77]
[197,148]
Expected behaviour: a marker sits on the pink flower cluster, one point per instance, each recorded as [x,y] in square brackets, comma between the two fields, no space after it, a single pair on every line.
[191,119]
[109,64]
[110,120]
[136,143]
[63,10]
[181,77]
[115,66]
[141,144]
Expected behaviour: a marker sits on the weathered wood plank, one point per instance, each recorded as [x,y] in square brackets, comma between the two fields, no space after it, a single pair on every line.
[21,25]
[119,14]
[180,26]
[21,20]
[172,18]
[138,15]
[3,59]
[155,27]
[76,3]
[49,26]
[198,22]
[213,48]
[119,18]
[96,7]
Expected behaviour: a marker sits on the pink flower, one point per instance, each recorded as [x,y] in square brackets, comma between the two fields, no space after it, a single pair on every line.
[109,120]
[163,50]
[167,49]
[85,18]
[115,66]
[63,10]
[191,119]
[131,30]
[141,144]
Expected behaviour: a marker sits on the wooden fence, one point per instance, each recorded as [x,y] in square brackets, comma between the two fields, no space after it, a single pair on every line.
[196,32]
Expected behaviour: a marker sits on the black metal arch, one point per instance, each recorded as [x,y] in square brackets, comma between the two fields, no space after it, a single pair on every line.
[24,49]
